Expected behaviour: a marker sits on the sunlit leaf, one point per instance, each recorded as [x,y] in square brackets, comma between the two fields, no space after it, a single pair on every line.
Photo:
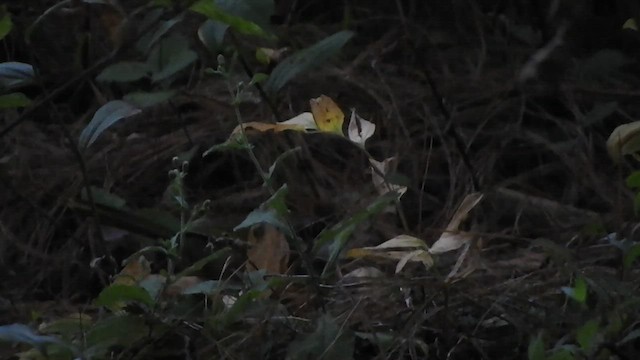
[14,100]
[109,114]
[15,74]
[305,60]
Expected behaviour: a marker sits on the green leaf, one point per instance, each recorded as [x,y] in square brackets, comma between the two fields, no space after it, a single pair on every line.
[200,264]
[148,99]
[578,292]
[273,211]
[328,341]
[169,56]
[146,42]
[5,22]
[536,348]
[586,334]
[213,11]
[124,71]
[18,333]
[305,60]
[337,236]
[633,180]
[114,296]
[279,159]
[631,255]
[109,114]
[15,74]
[115,330]
[211,34]
[104,198]
[14,100]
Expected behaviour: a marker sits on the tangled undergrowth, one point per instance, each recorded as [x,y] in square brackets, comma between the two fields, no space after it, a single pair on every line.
[177,186]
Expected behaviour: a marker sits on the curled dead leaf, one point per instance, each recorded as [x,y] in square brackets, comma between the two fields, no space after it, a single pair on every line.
[359,129]
[452,238]
[404,248]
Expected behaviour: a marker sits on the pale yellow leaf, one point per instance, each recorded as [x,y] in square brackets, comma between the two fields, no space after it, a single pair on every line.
[327,114]
[624,140]
[452,238]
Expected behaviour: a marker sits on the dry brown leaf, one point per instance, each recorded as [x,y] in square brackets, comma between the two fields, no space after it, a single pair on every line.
[269,249]
[452,238]
[136,269]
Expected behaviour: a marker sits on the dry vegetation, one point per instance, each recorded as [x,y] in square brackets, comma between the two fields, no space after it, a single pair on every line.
[512,99]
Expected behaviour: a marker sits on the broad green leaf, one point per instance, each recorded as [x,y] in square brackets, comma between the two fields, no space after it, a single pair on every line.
[146,42]
[578,292]
[257,11]
[305,60]
[211,34]
[15,74]
[586,334]
[198,265]
[124,71]
[148,99]
[328,341]
[109,114]
[68,326]
[14,100]
[536,348]
[214,11]
[5,22]
[633,180]
[273,211]
[336,238]
[115,330]
[18,333]
[116,295]
[104,198]
[278,160]
[169,56]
